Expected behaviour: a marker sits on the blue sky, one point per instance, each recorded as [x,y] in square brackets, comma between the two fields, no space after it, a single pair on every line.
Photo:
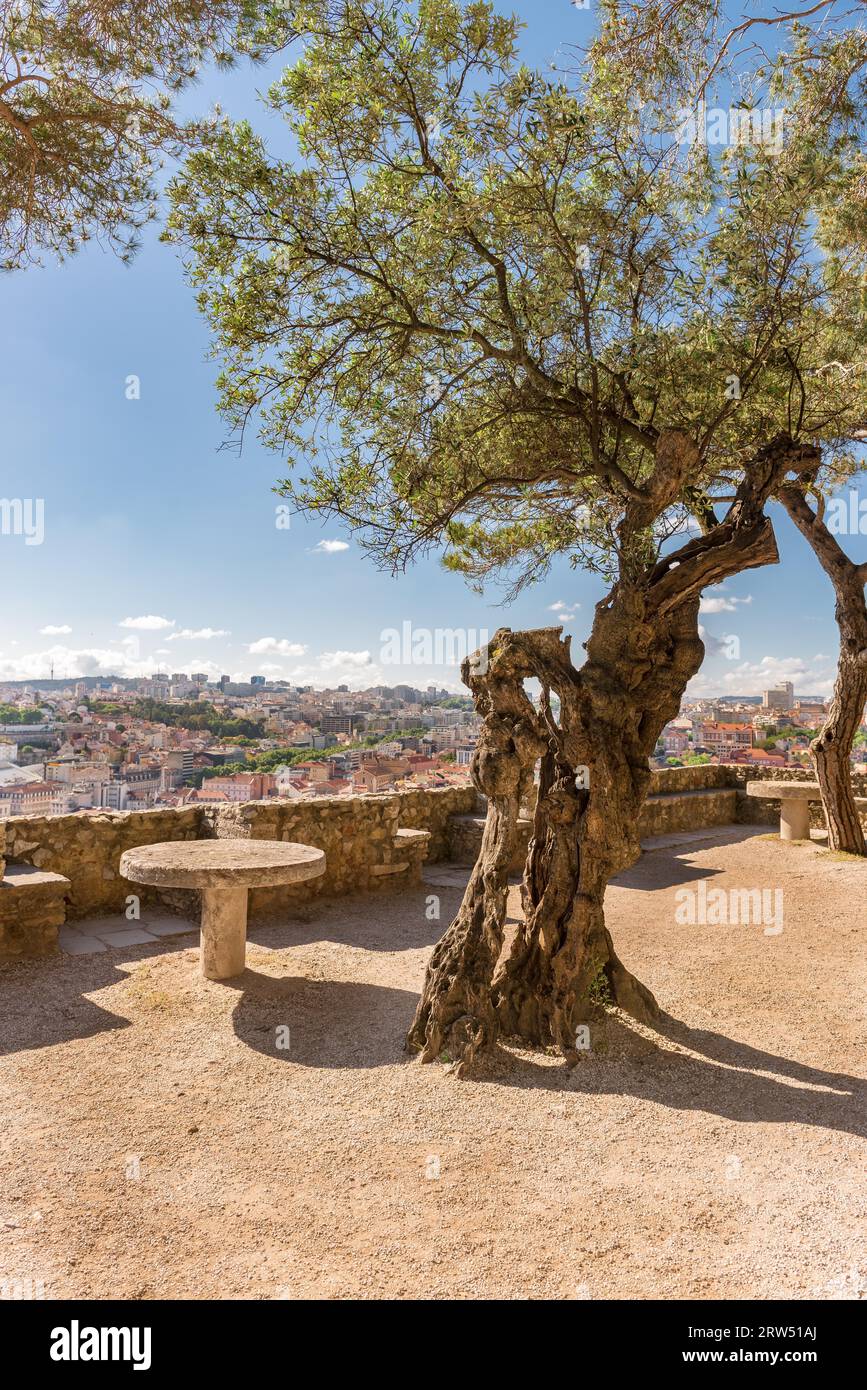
[146,518]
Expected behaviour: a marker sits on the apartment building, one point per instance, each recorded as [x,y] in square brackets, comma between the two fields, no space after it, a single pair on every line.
[719,738]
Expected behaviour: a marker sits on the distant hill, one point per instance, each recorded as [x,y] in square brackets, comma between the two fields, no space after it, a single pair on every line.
[92,682]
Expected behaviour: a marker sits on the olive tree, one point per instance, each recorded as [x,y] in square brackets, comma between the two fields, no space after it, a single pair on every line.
[505,315]
[814,57]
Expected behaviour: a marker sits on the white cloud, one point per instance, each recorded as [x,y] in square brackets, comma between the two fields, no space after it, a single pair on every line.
[751,678]
[280,646]
[72,662]
[198,634]
[725,603]
[565,611]
[329,547]
[149,622]
[355,669]
[328,660]
[55,630]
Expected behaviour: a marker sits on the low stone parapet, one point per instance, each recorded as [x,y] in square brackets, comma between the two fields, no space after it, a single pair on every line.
[361,837]
[693,809]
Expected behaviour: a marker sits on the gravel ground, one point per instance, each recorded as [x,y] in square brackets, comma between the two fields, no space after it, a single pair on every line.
[162,1136]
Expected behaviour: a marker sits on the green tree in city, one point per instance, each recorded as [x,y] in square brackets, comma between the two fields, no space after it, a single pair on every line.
[813,61]
[506,315]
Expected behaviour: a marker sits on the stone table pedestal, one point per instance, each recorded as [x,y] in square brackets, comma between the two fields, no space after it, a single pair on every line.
[222,871]
[794,799]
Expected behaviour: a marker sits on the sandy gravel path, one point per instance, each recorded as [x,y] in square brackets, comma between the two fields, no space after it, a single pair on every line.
[157,1140]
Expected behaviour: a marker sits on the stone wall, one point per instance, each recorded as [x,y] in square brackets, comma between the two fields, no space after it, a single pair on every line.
[87,850]
[690,779]
[357,833]
[749,810]
[694,808]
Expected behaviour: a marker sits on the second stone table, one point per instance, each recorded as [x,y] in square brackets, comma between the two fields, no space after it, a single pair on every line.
[222,871]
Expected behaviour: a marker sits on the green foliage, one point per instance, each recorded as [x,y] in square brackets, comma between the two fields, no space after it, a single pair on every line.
[86,111]
[196,715]
[272,758]
[480,293]
[599,991]
[105,707]
[11,714]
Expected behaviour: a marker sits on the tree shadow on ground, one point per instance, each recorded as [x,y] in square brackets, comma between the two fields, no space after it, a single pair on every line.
[331,1023]
[664,871]
[367,921]
[45,1002]
[724,1079]
[334,1024]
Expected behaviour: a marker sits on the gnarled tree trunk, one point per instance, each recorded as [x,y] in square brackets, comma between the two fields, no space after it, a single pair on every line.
[643,648]
[831,748]
[456,1014]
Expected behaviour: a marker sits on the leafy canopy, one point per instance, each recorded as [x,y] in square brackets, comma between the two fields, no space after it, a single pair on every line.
[479,295]
[86,109]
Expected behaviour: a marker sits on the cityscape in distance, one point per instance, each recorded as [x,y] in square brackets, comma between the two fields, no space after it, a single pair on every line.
[97,744]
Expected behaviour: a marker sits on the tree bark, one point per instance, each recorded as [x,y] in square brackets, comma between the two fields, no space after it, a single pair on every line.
[643,649]
[456,1016]
[831,748]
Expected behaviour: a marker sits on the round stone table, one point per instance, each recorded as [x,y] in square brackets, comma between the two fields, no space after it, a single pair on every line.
[222,871]
[794,799]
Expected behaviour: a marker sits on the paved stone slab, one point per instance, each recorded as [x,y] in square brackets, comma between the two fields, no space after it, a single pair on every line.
[447,878]
[168,926]
[131,937]
[75,943]
[713,832]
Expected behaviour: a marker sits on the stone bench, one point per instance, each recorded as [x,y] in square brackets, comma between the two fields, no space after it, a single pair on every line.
[409,851]
[32,910]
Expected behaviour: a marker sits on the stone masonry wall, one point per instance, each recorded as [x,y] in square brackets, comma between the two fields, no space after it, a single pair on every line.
[357,834]
[749,810]
[87,850]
